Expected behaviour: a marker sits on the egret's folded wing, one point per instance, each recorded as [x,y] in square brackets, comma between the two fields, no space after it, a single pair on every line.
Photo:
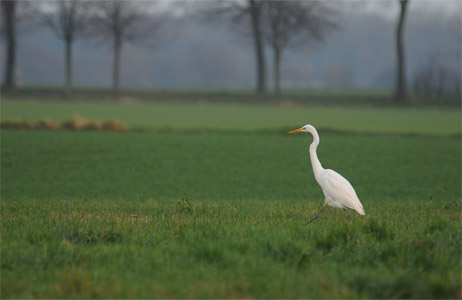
[339,189]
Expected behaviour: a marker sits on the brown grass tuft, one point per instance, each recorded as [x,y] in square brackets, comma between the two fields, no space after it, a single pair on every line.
[46,124]
[16,124]
[77,123]
[114,125]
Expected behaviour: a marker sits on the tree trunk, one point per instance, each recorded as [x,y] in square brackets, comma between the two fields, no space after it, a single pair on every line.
[255,13]
[9,13]
[116,68]
[277,71]
[68,46]
[401,89]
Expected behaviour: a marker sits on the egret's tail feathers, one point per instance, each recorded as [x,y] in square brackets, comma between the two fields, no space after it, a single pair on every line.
[360,211]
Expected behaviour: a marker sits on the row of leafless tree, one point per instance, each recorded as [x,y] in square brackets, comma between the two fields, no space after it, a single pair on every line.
[279,24]
[115,22]
[276,24]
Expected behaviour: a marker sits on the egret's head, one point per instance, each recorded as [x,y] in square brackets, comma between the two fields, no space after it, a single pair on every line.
[306,128]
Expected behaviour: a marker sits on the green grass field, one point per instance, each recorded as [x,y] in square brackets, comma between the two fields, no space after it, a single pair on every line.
[423,121]
[310,96]
[215,206]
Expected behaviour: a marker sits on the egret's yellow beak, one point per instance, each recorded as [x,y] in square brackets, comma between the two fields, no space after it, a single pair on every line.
[296,130]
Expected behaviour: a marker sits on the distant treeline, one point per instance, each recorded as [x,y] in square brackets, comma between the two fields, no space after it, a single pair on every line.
[274,27]
[348,97]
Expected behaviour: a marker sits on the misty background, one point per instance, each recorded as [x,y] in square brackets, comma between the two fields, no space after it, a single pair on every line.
[195,53]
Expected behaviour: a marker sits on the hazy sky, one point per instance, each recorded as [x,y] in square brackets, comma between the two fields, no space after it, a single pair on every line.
[390,8]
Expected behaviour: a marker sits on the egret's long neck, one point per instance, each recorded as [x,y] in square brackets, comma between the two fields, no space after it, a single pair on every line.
[317,168]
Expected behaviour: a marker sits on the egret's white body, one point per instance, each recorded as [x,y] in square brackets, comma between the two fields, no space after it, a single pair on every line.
[338,192]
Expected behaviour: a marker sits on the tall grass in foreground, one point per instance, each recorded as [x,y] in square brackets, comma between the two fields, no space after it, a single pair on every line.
[180,248]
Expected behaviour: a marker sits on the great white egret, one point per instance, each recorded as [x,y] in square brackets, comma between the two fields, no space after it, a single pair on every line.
[338,192]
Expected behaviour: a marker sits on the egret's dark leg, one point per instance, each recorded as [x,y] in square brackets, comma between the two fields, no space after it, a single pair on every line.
[317,216]
[346,215]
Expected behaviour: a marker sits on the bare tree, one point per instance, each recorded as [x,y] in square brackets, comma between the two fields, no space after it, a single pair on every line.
[401,88]
[18,18]
[9,28]
[68,21]
[294,23]
[124,22]
[250,13]
[255,9]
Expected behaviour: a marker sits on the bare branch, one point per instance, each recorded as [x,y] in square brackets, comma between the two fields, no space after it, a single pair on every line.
[67,20]
[124,22]
[246,17]
[127,21]
[294,23]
